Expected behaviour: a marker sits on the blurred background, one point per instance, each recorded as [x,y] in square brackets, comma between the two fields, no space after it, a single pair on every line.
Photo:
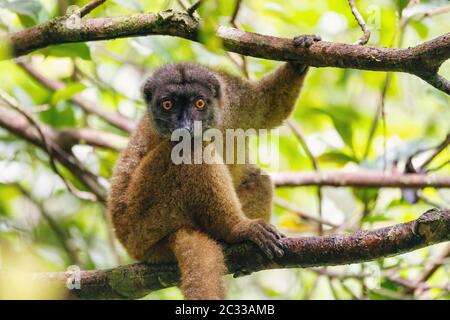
[345,120]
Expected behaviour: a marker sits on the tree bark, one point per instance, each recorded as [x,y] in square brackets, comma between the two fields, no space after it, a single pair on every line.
[361,179]
[423,60]
[136,280]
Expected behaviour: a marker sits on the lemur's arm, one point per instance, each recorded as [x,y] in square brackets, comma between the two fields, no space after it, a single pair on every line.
[267,102]
[220,213]
[129,160]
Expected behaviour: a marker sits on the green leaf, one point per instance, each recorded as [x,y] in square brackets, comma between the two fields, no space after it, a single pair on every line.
[75,50]
[343,118]
[210,11]
[366,195]
[336,156]
[23,8]
[67,92]
[345,130]
[59,116]
[376,218]
[401,4]
[420,28]
[5,50]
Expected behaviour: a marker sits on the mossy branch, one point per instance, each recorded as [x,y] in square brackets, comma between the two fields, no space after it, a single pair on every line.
[137,280]
[423,60]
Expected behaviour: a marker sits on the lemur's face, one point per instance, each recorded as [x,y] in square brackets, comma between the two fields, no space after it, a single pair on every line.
[178,95]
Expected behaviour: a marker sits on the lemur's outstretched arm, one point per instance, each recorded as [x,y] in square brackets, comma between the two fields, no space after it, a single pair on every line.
[267,102]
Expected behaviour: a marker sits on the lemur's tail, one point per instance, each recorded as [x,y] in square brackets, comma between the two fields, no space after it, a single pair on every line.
[201,262]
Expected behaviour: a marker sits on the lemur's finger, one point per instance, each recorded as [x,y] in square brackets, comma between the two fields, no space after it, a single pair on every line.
[274,231]
[259,240]
[277,250]
[306,40]
[270,245]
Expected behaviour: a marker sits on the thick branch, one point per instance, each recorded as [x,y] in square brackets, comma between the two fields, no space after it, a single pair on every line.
[365,179]
[137,280]
[423,60]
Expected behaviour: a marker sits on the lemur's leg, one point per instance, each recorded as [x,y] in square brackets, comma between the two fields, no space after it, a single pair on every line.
[201,263]
[255,193]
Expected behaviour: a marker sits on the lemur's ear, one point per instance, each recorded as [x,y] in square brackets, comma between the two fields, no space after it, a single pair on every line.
[147,89]
[216,87]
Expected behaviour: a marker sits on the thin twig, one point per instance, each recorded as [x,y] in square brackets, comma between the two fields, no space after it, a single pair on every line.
[235,13]
[431,268]
[365,38]
[184,4]
[288,206]
[380,109]
[54,226]
[439,166]
[48,146]
[298,133]
[20,126]
[90,7]
[243,65]
[190,11]
[360,179]
[113,118]
[441,147]
[379,113]
[435,12]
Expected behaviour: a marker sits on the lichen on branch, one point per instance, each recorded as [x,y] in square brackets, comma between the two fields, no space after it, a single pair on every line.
[423,60]
[136,280]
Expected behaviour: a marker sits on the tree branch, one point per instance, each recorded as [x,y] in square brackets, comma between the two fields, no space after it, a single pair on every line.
[65,138]
[423,60]
[47,145]
[364,179]
[113,118]
[20,126]
[137,280]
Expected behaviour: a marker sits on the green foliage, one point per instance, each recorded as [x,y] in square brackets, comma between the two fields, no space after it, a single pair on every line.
[27,11]
[67,92]
[335,112]
[73,50]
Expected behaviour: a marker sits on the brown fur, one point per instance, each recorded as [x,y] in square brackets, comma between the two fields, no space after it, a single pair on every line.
[164,212]
[203,261]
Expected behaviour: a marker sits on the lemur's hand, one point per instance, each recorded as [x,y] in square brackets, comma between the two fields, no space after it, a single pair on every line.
[266,237]
[306,40]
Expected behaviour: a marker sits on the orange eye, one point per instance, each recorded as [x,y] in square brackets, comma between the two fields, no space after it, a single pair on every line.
[200,104]
[167,104]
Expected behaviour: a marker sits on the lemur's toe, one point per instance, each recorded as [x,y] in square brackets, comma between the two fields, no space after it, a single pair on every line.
[306,40]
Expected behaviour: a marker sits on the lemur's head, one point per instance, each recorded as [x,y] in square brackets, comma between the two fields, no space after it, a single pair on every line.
[179,94]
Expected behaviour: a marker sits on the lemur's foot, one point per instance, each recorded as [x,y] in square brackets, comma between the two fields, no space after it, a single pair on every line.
[306,40]
[267,238]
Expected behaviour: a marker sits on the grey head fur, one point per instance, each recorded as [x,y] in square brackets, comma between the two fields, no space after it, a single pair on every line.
[182,84]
